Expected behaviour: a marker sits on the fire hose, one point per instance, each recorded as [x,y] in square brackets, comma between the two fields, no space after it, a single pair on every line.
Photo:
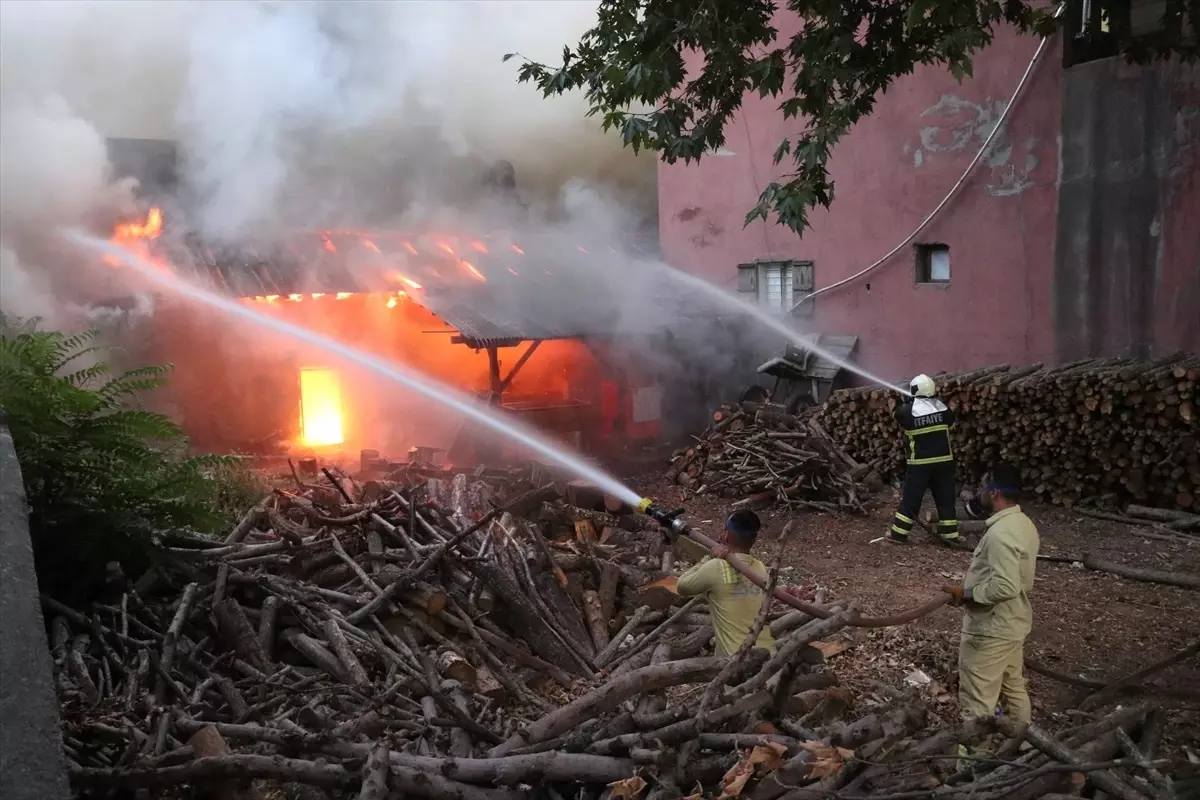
[675,525]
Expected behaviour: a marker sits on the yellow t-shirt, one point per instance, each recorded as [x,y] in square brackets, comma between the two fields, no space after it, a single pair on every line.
[733,601]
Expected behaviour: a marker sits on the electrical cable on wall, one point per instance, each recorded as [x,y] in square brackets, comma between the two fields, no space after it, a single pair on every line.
[987,143]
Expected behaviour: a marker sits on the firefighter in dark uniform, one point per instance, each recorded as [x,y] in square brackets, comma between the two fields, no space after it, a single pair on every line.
[926,422]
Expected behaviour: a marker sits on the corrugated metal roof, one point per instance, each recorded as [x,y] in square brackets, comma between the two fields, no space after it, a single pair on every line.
[562,298]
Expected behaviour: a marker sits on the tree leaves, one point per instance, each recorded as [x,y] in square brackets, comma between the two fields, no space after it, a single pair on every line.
[671,74]
[101,474]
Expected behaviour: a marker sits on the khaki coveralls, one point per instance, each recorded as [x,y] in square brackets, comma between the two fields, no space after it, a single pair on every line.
[733,601]
[992,649]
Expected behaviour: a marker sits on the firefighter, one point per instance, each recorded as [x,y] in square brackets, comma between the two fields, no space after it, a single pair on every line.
[926,422]
[733,600]
[995,594]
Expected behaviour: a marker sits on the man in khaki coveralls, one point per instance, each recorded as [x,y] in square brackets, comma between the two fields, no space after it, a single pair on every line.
[998,614]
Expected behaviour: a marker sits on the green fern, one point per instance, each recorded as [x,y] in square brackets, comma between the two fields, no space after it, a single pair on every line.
[103,476]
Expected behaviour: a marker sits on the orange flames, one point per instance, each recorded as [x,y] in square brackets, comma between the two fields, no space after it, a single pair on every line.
[129,232]
[135,235]
[321,407]
[396,277]
[474,273]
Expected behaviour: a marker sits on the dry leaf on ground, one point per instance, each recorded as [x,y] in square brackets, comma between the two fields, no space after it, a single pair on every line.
[768,755]
[827,760]
[628,788]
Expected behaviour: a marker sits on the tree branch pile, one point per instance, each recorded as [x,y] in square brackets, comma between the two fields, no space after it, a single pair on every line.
[438,637]
[1102,432]
[763,455]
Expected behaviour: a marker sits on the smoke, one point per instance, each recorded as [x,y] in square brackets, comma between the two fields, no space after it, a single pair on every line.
[53,173]
[292,114]
[329,114]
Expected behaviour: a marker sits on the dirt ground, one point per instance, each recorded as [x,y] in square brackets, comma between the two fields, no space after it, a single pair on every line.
[1086,623]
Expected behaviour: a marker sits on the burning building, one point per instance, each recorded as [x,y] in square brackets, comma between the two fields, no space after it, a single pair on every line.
[540,330]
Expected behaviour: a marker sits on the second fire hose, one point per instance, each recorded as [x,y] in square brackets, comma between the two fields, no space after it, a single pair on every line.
[674,523]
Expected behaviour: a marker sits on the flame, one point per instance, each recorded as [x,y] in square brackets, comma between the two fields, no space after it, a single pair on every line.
[295,298]
[447,248]
[408,246]
[134,235]
[370,244]
[329,244]
[474,273]
[132,231]
[316,295]
[409,281]
[271,298]
[479,247]
[343,295]
[517,250]
[320,407]
[393,302]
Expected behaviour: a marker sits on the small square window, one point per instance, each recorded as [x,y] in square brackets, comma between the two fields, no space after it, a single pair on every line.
[933,263]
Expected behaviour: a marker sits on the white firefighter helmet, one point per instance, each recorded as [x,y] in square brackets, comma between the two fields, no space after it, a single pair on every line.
[923,386]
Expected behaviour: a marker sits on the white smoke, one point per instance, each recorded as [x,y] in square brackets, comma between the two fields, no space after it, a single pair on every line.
[291,113]
[306,115]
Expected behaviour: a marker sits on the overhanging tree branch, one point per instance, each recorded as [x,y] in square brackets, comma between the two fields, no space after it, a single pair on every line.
[693,64]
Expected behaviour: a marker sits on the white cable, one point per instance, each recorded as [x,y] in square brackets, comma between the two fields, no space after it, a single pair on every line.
[954,189]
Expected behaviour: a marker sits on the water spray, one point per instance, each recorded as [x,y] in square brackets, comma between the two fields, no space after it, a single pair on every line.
[775,324]
[420,383]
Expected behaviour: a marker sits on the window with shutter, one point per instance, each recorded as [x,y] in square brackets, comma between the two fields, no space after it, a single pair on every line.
[777,285]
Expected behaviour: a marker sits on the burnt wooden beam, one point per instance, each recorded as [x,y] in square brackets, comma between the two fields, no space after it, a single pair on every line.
[512,373]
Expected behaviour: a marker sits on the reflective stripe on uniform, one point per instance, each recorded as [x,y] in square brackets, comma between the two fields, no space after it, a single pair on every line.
[932,460]
[903,518]
[899,530]
[911,455]
[932,429]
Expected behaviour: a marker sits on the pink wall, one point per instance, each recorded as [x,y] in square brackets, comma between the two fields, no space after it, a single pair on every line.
[890,172]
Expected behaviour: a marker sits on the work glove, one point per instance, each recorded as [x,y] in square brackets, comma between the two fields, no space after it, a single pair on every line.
[956,594]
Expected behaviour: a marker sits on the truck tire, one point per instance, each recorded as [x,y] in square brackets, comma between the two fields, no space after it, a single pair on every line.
[754,394]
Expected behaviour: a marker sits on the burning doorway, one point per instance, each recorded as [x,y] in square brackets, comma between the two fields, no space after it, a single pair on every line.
[321,407]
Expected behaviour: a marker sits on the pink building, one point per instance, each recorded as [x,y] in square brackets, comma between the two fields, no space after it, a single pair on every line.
[1077,234]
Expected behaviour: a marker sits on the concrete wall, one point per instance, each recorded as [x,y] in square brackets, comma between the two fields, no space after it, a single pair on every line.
[1127,261]
[31,758]
[890,172]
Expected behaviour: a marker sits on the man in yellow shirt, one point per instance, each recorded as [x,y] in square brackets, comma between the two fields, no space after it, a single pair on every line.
[995,594]
[733,601]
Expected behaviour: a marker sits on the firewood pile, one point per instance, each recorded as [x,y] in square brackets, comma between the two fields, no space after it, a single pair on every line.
[762,455]
[474,638]
[1102,432]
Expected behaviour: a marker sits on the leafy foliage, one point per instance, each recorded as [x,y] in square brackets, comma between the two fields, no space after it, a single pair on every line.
[829,74]
[102,476]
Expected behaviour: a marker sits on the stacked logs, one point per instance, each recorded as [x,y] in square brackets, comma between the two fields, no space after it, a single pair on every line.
[1102,432]
[405,639]
[763,455]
